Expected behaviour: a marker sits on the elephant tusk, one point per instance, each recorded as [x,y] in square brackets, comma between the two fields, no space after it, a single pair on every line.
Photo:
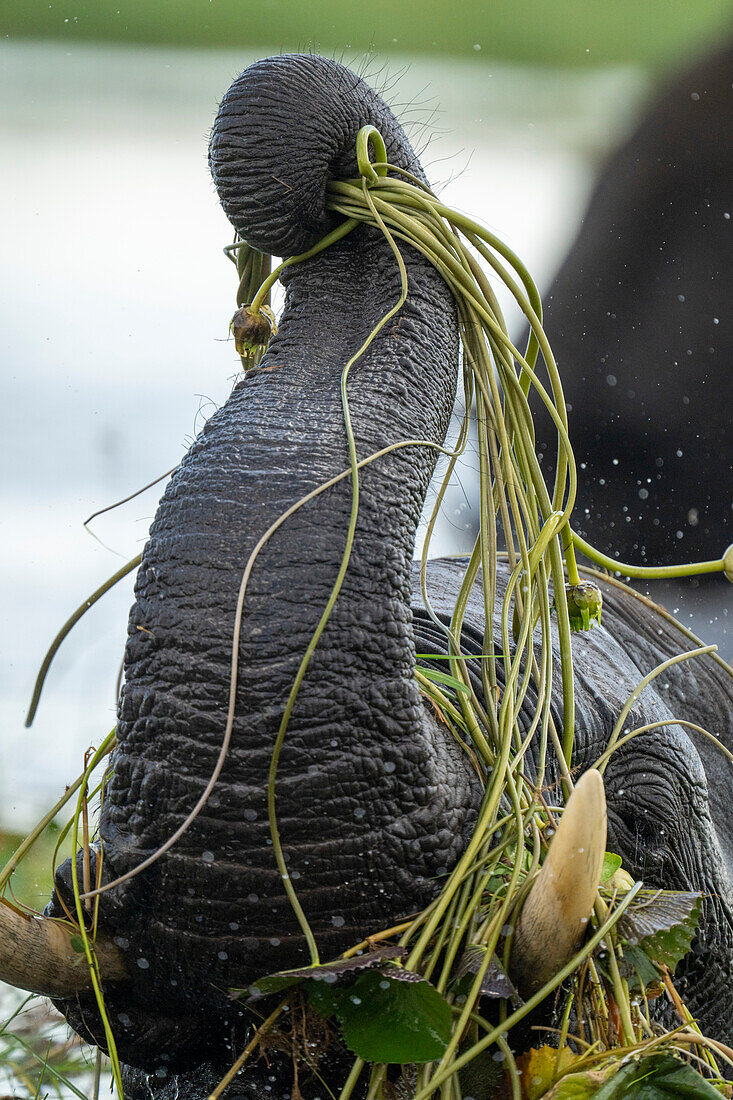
[555,914]
[36,954]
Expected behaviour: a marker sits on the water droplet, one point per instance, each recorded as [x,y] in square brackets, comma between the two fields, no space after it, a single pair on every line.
[207,857]
[143,963]
[338,922]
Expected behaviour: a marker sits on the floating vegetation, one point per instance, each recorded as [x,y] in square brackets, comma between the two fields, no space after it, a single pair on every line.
[428,1007]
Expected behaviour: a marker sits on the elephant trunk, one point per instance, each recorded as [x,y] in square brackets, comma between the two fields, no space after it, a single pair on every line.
[373,799]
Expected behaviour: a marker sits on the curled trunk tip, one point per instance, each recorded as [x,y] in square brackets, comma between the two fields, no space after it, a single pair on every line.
[285,128]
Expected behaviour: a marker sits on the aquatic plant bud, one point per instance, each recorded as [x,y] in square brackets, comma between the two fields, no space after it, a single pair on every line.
[252,331]
[584,604]
[620,880]
[728,563]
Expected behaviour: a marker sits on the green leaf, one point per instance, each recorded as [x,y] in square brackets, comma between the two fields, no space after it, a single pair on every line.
[324,998]
[331,972]
[444,678]
[658,1077]
[611,864]
[663,922]
[638,969]
[77,944]
[577,1086]
[388,1016]
[495,982]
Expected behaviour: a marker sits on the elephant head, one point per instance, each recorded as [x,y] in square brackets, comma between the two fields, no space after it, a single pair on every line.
[639,322]
[374,799]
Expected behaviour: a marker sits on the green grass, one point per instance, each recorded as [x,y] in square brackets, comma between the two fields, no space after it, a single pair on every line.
[38,1054]
[32,882]
[563,32]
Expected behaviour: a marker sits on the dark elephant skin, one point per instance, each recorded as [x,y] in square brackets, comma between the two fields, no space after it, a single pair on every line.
[639,320]
[375,801]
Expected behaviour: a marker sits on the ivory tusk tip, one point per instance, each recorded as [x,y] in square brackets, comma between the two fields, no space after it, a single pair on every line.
[555,914]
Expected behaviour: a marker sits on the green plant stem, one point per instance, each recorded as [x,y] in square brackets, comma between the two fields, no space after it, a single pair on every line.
[620,989]
[23,849]
[614,582]
[351,1080]
[647,572]
[336,234]
[528,1006]
[68,625]
[616,732]
[602,760]
[88,945]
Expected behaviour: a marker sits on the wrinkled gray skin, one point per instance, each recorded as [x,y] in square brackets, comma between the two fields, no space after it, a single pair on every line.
[640,323]
[374,800]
